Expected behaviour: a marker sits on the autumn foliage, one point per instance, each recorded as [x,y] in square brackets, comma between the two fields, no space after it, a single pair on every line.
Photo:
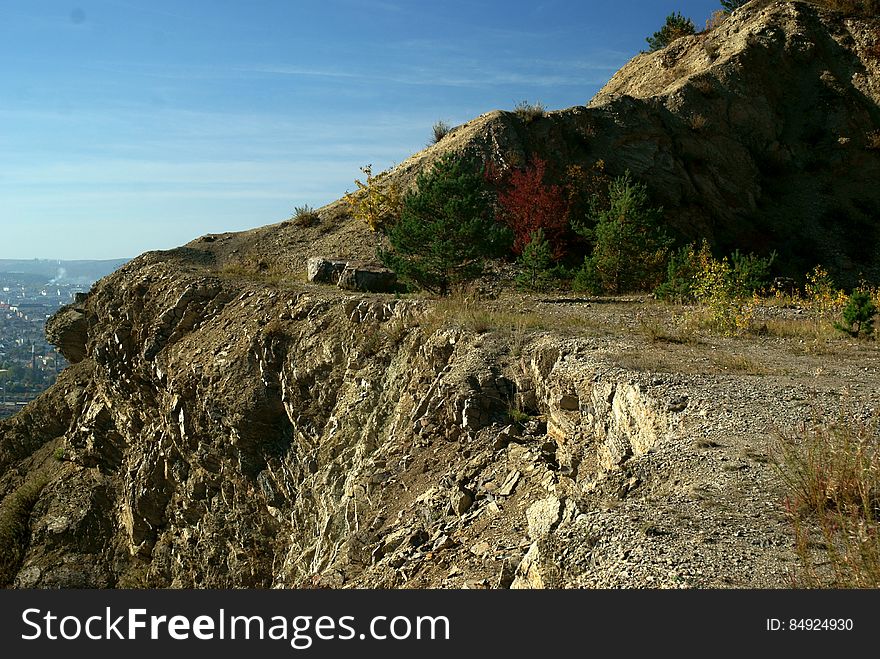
[528,203]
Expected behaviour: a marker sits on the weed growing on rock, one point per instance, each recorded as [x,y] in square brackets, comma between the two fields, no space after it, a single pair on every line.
[305,216]
[440,129]
[698,122]
[529,112]
[861,8]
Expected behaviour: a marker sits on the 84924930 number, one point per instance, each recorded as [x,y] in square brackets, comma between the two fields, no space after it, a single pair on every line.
[820,624]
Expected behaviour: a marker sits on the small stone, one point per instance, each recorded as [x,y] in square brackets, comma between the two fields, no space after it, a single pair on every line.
[443,542]
[543,516]
[461,502]
[510,483]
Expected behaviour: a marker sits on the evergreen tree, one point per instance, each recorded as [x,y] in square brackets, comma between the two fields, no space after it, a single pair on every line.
[858,315]
[536,263]
[676,26]
[730,5]
[630,246]
[446,228]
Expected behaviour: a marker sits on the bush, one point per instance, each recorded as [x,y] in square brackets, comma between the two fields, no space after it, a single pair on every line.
[749,273]
[446,228]
[821,292]
[722,285]
[731,5]
[727,286]
[676,26]
[528,204]
[376,202]
[440,130]
[305,216]
[529,112]
[681,276]
[630,246]
[858,315]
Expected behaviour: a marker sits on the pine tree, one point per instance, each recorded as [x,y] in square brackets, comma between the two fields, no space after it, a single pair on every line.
[858,315]
[446,229]
[536,262]
[730,5]
[630,246]
[676,26]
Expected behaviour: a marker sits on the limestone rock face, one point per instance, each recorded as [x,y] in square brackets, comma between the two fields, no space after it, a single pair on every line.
[67,329]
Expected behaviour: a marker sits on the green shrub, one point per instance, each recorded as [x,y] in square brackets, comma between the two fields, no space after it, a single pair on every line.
[858,315]
[681,276]
[586,280]
[749,273]
[676,26]
[446,229]
[731,5]
[693,275]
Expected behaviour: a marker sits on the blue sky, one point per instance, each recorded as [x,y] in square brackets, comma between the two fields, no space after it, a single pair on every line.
[130,125]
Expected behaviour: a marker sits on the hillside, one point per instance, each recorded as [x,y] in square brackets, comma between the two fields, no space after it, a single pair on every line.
[225,424]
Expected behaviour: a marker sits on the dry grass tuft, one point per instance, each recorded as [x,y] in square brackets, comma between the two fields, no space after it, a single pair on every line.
[831,471]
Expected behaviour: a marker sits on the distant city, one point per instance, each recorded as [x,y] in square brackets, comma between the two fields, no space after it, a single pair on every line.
[30,292]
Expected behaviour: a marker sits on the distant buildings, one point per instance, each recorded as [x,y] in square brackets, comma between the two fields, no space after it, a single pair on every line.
[30,292]
[28,363]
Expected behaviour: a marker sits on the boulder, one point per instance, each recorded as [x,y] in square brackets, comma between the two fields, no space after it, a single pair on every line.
[367,278]
[322,270]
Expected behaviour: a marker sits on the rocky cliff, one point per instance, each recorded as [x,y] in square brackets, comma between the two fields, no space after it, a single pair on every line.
[225,424]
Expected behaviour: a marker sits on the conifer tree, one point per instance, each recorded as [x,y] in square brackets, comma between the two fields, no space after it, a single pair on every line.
[536,262]
[630,245]
[676,26]
[730,5]
[446,229]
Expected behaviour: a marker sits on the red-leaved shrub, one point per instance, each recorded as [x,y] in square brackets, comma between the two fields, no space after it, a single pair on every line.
[528,203]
